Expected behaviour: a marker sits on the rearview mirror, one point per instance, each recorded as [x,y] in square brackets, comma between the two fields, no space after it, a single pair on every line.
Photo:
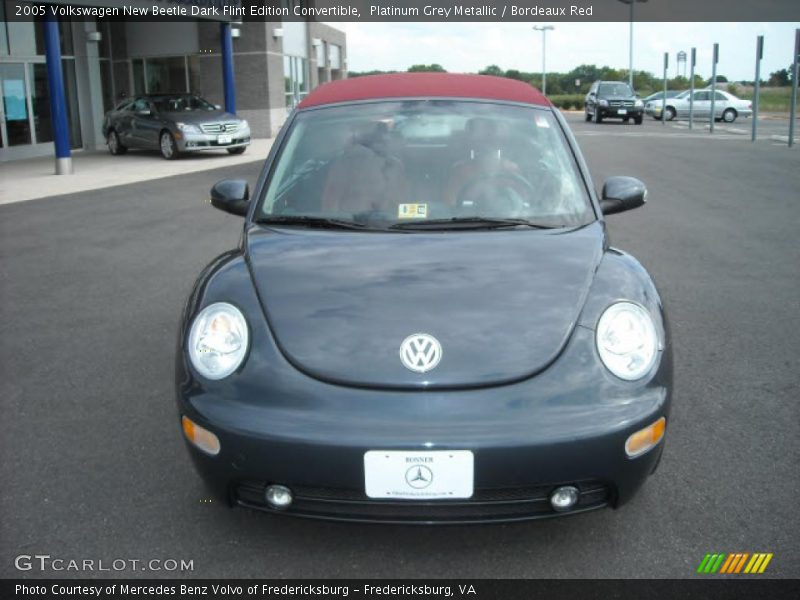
[231,196]
[621,194]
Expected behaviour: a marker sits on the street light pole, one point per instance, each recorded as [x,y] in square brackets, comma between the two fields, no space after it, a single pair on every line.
[544,31]
[630,41]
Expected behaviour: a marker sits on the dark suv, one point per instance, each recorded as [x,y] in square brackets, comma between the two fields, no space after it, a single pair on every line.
[613,100]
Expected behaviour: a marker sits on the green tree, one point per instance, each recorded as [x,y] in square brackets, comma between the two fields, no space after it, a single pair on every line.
[492,70]
[779,78]
[434,68]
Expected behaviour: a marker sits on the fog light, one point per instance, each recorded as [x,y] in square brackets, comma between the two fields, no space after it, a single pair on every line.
[278,496]
[564,498]
[200,437]
[644,439]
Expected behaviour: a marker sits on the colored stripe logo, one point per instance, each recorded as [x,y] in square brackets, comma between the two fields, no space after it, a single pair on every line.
[734,563]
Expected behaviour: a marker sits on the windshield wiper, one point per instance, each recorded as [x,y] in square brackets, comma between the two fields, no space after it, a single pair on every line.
[308,221]
[468,223]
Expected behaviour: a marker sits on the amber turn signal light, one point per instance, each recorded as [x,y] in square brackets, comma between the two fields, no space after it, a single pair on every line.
[200,437]
[645,439]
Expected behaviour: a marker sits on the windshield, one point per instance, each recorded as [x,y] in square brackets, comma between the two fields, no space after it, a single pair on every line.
[425,161]
[180,103]
[614,89]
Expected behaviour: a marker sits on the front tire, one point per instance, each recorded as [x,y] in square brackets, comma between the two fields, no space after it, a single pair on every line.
[597,118]
[729,115]
[669,113]
[638,120]
[115,146]
[239,150]
[588,116]
[169,149]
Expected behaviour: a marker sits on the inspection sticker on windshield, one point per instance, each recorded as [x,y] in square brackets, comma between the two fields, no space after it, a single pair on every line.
[412,211]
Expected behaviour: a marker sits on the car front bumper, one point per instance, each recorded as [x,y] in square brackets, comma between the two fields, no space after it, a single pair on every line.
[197,142]
[565,426]
[613,112]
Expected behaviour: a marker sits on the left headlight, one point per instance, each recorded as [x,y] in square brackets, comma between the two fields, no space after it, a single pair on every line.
[244,124]
[218,340]
[627,340]
[638,103]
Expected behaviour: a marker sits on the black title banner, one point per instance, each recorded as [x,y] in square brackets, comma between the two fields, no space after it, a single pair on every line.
[410,10]
[433,589]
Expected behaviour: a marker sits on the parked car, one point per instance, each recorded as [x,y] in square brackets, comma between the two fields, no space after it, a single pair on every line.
[173,124]
[424,320]
[727,107]
[613,100]
[655,100]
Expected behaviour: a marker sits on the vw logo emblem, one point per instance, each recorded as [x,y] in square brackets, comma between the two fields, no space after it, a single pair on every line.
[419,477]
[420,352]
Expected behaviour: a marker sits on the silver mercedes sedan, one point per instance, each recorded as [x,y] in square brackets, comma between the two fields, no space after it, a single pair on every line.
[727,107]
[173,124]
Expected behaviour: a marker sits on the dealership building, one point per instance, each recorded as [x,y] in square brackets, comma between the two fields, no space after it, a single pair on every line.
[59,77]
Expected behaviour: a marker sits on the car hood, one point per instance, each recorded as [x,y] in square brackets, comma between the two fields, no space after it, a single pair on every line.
[502,304]
[198,116]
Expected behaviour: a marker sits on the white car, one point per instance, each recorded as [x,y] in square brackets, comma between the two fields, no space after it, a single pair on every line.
[727,107]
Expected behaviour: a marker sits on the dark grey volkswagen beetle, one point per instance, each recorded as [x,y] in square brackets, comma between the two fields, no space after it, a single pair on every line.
[424,321]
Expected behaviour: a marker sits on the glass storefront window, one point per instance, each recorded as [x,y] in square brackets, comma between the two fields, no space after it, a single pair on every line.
[320,54]
[166,75]
[23,39]
[107,84]
[42,121]
[295,77]
[15,104]
[65,31]
[3,32]
[194,75]
[138,76]
[335,56]
[71,91]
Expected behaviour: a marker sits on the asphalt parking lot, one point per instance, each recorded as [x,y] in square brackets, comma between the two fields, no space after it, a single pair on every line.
[94,467]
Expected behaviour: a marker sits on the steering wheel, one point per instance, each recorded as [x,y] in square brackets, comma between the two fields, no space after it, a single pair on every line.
[503,192]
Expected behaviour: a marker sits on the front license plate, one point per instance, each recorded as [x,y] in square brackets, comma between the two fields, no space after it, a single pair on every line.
[622,111]
[435,475]
[224,139]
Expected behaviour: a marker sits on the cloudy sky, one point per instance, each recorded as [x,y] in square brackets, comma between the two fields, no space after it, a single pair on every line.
[470,47]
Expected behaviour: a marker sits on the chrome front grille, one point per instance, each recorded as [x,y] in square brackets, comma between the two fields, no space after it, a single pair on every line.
[621,103]
[226,127]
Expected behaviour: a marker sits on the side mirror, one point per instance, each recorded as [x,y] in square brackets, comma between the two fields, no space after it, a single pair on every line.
[218,106]
[592,94]
[231,196]
[621,194]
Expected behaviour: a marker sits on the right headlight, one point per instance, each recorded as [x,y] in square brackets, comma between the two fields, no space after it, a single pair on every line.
[602,102]
[627,340]
[188,127]
[218,340]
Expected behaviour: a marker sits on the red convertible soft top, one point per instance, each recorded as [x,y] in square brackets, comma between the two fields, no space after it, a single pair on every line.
[422,85]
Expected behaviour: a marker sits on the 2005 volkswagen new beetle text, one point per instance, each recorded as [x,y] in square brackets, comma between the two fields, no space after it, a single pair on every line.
[425,321]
